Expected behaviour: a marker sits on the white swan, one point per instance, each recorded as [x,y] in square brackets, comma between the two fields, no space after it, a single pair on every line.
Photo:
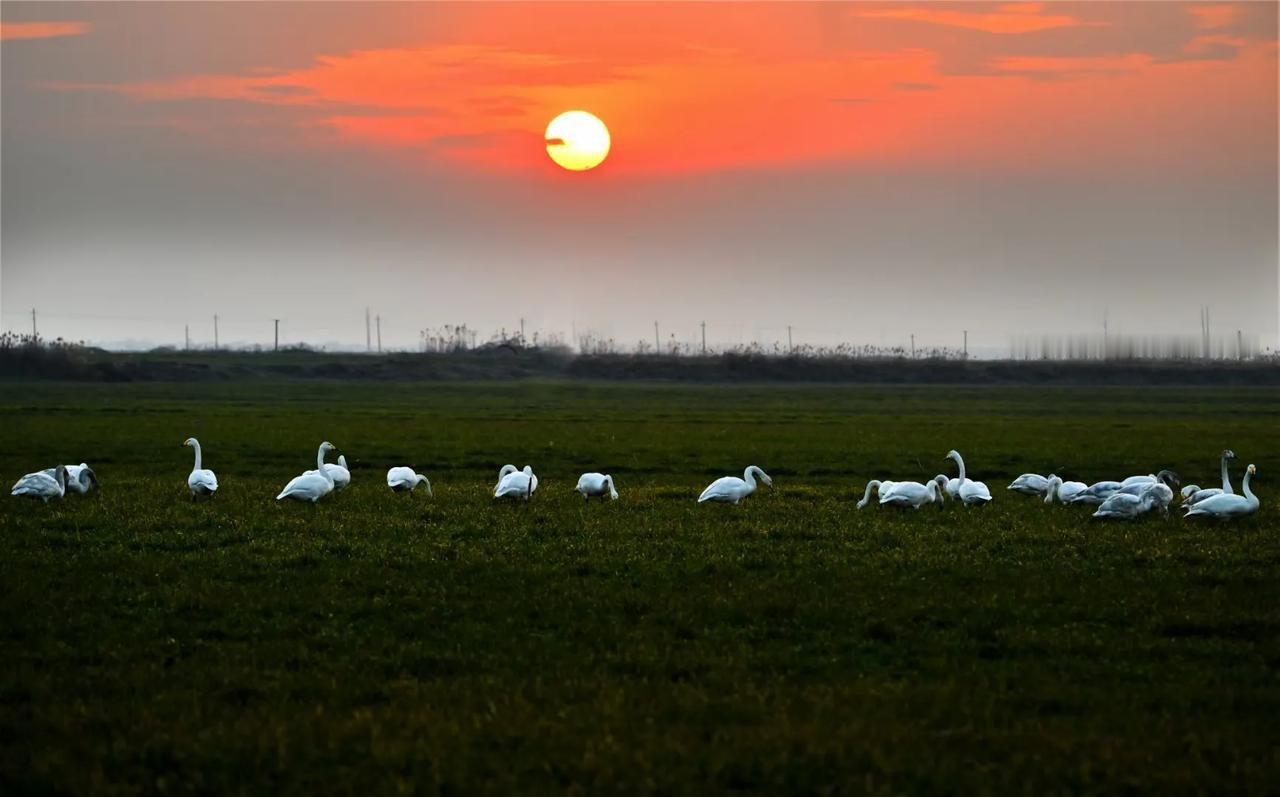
[950,487]
[80,478]
[1127,506]
[516,483]
[969,491]
[731,489]
[1197,495]
[1095,493]
[42,485]
[1030,484]
[403,479]
[313,484]
[1062,491]
[1228,506]
[596,485]
[339,473]
[913,494]
[202,481]
[1135,487]
[881,488]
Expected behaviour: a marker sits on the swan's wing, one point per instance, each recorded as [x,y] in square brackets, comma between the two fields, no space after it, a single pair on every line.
[308,484]
[721,488]
[38,483]
[203,480]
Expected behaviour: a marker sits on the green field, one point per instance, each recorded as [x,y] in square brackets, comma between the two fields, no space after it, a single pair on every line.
[387,642]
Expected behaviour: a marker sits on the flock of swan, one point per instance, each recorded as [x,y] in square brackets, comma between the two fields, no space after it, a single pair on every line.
[1126,499]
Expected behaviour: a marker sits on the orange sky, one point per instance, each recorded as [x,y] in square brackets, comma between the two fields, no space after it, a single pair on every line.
[1097,153]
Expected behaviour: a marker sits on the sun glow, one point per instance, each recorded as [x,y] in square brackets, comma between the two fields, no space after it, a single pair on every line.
[577,141]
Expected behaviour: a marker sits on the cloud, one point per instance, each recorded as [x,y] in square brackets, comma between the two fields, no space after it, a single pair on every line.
[1215,16]
[1008,19]
[12,31]
[907,85]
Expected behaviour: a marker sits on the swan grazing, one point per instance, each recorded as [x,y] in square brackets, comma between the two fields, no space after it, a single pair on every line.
[1030,484]
[913,495]
[1127,506]
[1062,491]
[969,491]
[516,483]
[1165,477]
[1095,493]
[313,484]
[950,487]
[201,481]
[1197,495]
[1226,506]
[42,485]
[881,489]
[596,485]
[80,478]
[404,480]
[731,489]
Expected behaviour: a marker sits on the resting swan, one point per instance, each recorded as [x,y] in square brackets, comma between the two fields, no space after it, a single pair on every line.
[41,485]
[1134,485]
[202,481]
[596,485]
[1127,506]
[969,491]
[403,479]
[1226,506]
[1095,493]
[1197,495]
[516,483]
[731,489]
[312,485]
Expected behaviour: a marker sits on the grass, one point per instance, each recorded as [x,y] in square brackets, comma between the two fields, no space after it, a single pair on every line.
[791,644]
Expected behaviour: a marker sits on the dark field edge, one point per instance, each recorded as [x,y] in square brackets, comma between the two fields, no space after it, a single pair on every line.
[513,364]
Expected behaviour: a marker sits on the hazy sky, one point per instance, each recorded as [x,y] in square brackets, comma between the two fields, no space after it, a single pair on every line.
[860,171]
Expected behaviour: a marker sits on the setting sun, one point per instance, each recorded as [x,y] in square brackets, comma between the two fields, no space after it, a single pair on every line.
[577,140]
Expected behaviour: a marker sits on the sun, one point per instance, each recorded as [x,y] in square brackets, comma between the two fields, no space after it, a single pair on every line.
[577,141]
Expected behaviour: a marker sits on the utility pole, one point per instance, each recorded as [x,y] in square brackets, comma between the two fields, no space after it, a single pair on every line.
[1239,345]
[186,334]
[966,344]
[657,347]
[35,333]
[379,334]
[277,347]
[522,330]
[368,342]
[215,331]
[791,349]
[1104,333]
[704,338]
[913,345]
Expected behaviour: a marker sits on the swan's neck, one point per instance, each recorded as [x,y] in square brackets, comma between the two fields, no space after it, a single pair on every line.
[960,462]
[1247,492]
[320,465]
[1226,482]
[749,476]
[196,446]
[874,484]
[1055,485]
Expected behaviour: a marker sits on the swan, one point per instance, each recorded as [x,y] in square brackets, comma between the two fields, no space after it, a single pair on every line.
[881,488]
[42,485]
[913,494]
[313,484]
[1165,477]
[1030,484]
[1127,506]
[596,485]
[1095,493]
[950,487]
[1226,506]
[339,473]
[1197,495]
[80,478]
[1062,491]
[403,479]
[731,489]
[201,481]
[969,491]
[516,483]
[506,471]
